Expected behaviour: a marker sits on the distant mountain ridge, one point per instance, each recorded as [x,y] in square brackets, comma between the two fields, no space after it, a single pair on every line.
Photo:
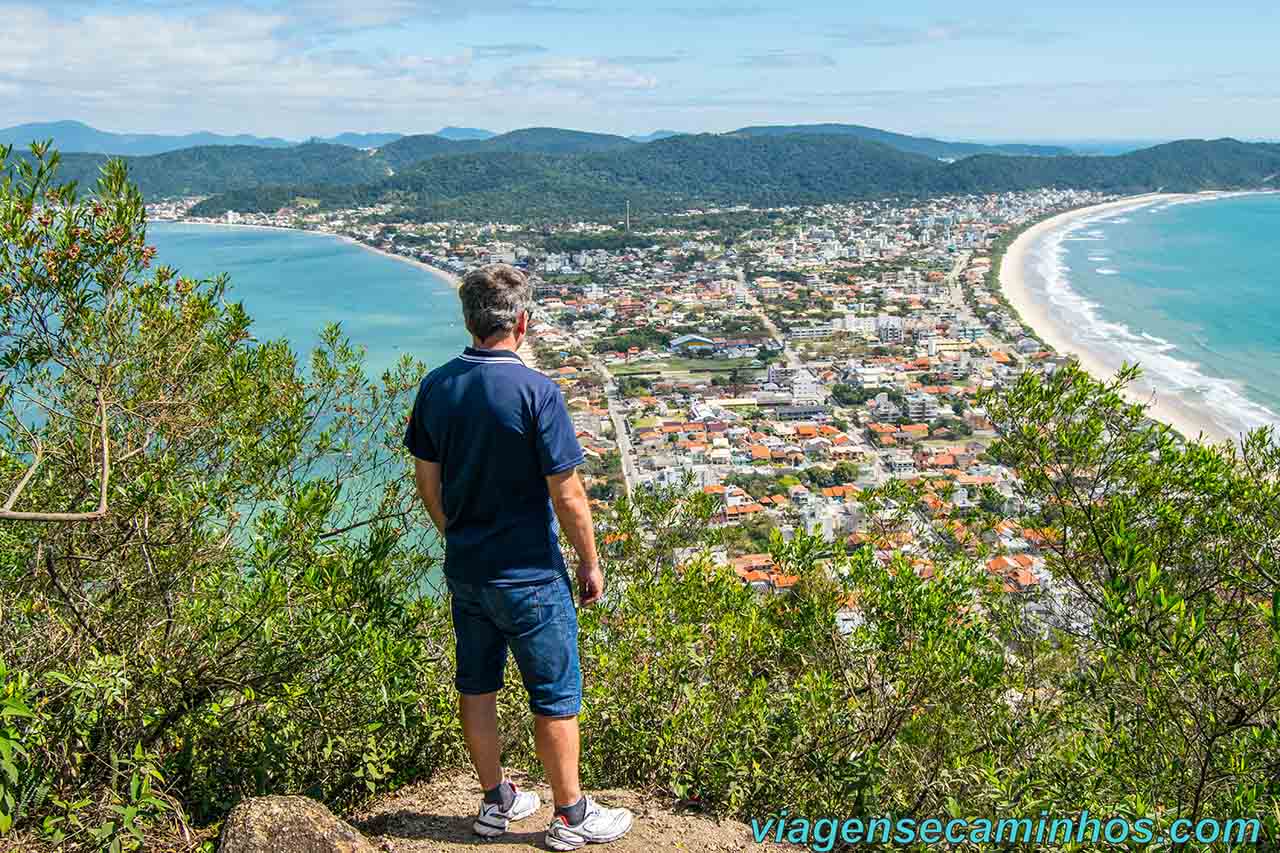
[914,144]
[458,133]
[548,172]
[655,136]
[706,170]
[78,137]
[359,140]
[74,136]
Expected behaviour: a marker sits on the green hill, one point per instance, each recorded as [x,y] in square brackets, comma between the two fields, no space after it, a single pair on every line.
[214,169]
[408,150]
[935,148]
[553,173]
[677,172]
[553,140]
[1185,166]
[770,170]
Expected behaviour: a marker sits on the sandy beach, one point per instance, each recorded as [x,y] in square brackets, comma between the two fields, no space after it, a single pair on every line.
[1035,311]
[526,346]
[453,280]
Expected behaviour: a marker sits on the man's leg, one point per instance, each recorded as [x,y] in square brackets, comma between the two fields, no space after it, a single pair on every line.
[480,728]
[544,639]
[481,653]
[556,739]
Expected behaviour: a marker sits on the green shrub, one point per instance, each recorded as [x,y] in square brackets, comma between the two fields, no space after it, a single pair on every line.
[211,558]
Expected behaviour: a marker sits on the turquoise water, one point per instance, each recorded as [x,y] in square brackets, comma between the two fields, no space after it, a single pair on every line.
[292,283]
[1189,289]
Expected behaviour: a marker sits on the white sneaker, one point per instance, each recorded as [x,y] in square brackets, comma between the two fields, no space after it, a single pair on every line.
[493,821]
[599,826]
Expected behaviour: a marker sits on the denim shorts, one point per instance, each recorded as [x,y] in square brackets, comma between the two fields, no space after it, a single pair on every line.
[539,624]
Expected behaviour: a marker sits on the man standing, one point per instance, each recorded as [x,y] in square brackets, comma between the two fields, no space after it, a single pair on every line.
[496,457]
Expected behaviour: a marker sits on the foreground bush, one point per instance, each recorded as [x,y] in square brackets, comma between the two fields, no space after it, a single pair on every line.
[208,587]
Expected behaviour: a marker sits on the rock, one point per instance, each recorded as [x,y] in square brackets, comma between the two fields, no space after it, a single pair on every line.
[288,825]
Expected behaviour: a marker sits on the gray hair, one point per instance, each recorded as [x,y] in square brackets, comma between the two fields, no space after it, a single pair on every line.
[492,298]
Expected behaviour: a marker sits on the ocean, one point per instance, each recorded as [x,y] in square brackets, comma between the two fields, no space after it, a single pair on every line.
[292,283]
[1187,288]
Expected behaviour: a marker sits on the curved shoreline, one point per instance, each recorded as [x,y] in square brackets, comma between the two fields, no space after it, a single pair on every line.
[526,348]
[447,276]
[1036,312]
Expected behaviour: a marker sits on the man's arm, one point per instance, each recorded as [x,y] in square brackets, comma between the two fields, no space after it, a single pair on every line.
[569,499]
[427,477]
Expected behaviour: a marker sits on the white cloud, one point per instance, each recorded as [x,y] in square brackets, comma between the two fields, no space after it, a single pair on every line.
[339,15]
[506,50]
[578,74]
[248,70]
[939,32]
[788,59]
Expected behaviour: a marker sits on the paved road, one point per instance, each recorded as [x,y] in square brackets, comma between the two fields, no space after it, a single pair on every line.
[792,359]
[630,473]
[955,290]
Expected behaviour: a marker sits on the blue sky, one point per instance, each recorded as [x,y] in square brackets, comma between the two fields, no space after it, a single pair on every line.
[956,70]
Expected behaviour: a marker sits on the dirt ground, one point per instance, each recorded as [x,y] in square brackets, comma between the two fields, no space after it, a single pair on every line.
[436,816]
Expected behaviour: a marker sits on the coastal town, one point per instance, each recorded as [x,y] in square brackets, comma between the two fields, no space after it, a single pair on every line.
[785,362]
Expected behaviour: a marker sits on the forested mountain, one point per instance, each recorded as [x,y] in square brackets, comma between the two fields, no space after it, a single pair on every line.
[935,148]
[408,150]
[553,173]
[672,173]
[1184,166]
[531,140]
[213,169]
[692,171]
[553,140]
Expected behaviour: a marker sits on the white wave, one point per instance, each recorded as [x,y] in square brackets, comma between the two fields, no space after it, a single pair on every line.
[1222,401]
[1096,258]
[1106,271]
[1203,343]
[1200,198]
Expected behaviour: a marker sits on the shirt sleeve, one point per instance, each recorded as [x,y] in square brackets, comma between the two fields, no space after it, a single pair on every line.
[557,440]
[416,436]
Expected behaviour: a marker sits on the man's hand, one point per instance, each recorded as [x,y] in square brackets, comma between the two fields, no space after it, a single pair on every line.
[573,510]
[590,583]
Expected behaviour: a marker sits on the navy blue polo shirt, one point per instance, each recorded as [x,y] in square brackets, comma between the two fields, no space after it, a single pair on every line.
[498,430]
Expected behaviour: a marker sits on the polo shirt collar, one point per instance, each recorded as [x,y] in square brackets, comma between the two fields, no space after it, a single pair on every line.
[491,356]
